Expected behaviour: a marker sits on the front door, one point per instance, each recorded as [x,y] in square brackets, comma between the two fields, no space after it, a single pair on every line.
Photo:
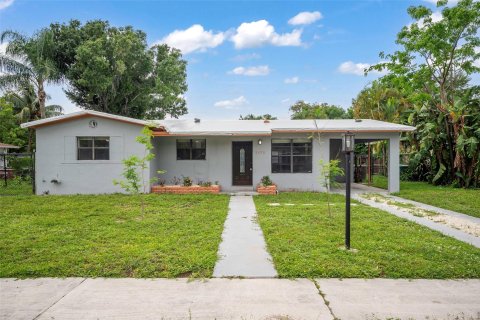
[242,163]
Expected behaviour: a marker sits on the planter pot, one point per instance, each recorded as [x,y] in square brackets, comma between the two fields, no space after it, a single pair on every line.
[267,189]
[186,190]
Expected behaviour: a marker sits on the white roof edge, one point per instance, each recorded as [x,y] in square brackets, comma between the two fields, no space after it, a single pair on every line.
[80,113]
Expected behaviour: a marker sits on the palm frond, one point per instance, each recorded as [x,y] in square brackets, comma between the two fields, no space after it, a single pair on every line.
[10,65]
[12,36]
[53,110]
[12,81]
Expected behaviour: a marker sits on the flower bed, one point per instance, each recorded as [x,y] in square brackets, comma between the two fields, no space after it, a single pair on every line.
[177,189]
[272,189]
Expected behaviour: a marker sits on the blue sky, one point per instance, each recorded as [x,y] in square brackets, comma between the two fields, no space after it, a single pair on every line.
[245,56]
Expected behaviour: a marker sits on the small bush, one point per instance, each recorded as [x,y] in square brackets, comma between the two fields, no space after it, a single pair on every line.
[187,181]
[266,181]
[175,180]
[204,183]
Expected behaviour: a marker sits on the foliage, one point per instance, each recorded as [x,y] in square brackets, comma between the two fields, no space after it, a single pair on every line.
[27,63]
[175,180]
[305,243]
[251,116]
[266,181]
[18,186]
[305,110]
[202,183]
[328,177]
[430,75]
[187,182]
[10,131]
[113,70]
[135,167]
[101,236]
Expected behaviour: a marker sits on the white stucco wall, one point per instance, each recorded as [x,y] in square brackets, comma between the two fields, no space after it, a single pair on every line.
[218,163]
[56,156]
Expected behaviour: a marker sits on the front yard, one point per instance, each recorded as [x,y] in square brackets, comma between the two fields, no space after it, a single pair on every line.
[305,241]
[107,235]
[465,201]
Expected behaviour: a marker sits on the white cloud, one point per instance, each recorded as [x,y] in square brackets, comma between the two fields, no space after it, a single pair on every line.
[305,18]
[285,100]
[193,39]
[350,67]
[353,68]
[5,3]
[261,32]
[291,80]
[251,71]
[231,104]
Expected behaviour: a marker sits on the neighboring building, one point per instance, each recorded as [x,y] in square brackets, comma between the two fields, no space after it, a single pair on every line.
[4,147]
[82,152]
[5,171]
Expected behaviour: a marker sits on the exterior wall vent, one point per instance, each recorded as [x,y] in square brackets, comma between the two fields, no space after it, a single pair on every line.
[358,120]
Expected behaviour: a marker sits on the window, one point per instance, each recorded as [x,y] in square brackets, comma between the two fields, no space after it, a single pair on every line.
[191,149]
[291,155]
[93,148]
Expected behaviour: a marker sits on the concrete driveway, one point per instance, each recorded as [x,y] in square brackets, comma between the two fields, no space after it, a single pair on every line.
[78,298]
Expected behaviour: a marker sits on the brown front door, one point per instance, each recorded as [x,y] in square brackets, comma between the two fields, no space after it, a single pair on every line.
[242,163]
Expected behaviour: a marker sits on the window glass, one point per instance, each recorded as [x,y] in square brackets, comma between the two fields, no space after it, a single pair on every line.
[191,149]
[85,154]
[102,154]
[291,155]
[101,142]
[93,148]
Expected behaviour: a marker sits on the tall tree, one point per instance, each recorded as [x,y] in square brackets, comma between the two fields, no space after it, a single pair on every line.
[113,70]
[27,61]
[432,67]
[10,131]
[305,110]
[26,104]
[251,116]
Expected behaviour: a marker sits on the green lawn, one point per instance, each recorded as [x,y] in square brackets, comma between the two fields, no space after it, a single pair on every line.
[107,236]
[466,201]
[306,242]
[15,187]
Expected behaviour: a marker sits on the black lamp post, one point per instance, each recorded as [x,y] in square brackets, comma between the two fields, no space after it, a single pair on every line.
[348,143]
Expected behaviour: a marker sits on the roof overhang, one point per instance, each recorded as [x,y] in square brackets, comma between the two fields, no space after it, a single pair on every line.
[86,114]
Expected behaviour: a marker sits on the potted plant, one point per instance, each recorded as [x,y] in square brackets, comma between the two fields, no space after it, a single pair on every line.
[266,186]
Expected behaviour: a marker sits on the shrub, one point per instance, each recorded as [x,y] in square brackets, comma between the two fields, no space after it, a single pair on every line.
[175,180]
[187,181]
[266,181]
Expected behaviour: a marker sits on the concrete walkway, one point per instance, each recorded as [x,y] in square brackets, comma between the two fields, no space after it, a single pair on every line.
[359,190]
[242,252]
[273,299]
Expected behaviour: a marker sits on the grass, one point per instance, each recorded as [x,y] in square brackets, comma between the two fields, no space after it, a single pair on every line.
[305,241]
[15,187]
[465,201]
[107,235]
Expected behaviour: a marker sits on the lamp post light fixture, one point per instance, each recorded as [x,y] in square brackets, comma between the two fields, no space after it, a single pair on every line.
[348,145]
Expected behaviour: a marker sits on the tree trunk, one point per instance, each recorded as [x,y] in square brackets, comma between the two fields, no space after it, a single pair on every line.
[42,97]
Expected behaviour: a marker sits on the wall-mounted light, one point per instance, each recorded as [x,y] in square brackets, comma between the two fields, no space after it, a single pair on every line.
[259,141]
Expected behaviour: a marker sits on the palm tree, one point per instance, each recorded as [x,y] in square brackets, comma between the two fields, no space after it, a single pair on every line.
[28,60]
[26,105]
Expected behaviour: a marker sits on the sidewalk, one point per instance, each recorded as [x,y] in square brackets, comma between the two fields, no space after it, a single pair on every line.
[348,299]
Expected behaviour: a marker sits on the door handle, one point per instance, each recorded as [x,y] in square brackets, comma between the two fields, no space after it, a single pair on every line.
[251,169]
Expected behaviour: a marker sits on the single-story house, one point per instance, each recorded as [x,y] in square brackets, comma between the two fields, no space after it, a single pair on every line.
[82,152]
